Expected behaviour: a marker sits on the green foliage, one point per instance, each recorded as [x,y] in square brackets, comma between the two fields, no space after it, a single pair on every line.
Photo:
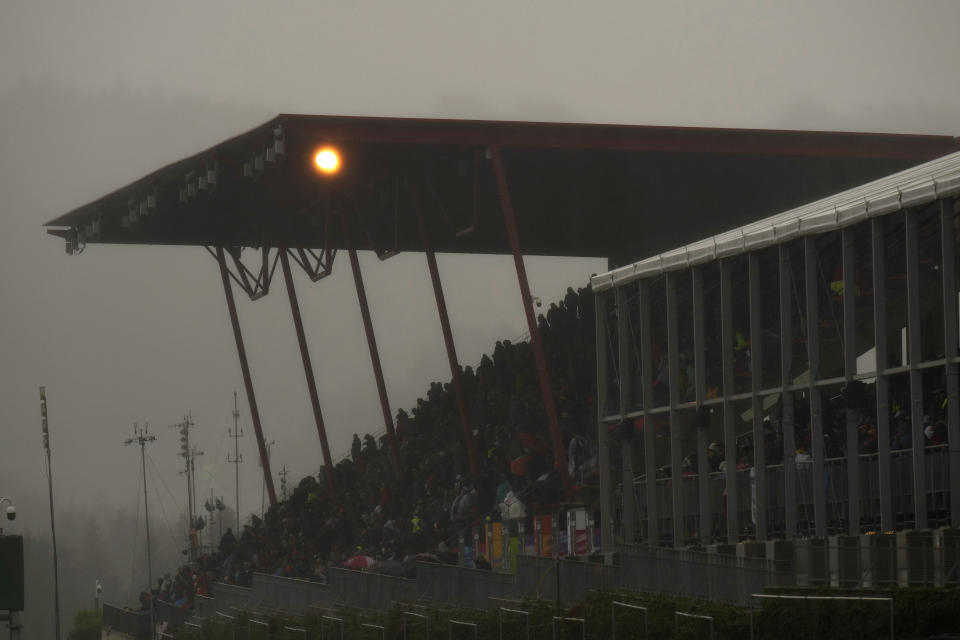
[86,626]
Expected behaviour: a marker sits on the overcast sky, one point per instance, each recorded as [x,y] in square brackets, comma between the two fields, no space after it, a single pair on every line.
[96,94]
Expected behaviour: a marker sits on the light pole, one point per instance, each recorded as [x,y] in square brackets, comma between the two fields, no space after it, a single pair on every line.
[53,529]
[142,437]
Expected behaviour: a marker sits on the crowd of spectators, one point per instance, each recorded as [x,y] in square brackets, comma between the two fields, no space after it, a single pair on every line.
[426,511]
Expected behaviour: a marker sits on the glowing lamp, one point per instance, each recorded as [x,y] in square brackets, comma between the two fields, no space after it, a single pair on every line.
[327,161]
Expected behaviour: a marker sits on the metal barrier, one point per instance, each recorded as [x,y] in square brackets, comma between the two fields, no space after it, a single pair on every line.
[677,615]
[513,612]
[628,607]
[419,616]
[460,624]
[565,621]
[173,616]
[132,623]
[694,574]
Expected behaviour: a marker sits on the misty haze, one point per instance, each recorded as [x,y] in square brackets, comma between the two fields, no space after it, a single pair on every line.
[94,96]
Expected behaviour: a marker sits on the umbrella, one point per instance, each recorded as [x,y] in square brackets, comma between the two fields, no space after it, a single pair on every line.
[518,466]
[410,563]
[358,563]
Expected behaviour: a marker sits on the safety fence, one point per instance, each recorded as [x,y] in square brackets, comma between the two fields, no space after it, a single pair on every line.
[728,574]
[135,624]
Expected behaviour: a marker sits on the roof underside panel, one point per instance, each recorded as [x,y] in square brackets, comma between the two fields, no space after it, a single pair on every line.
[912,187]
[578,190]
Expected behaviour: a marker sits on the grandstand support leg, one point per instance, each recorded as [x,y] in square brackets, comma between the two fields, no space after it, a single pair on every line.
[603,437]
[546,389]
[649,429]
[756,379]
[849,371]
[308,370]
[787,421]
[374,352]
[676,441]
[883,402]
[465,425]
[705,510]
[729,426]
[247,380]
[948,235]
[915,355]
[816,400]
[626,383]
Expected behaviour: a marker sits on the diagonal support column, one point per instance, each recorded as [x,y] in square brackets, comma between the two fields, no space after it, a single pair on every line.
[247,380]
[308,369]
[448,341]
[374,351]
[546,389]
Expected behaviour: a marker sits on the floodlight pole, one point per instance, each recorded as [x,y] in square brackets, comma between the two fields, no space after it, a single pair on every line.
[448,341]
[53,529]
[247,380]
[546,388]
[308,369]
[374,352]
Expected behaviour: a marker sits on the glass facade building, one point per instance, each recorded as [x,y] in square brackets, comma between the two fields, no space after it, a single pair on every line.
[795,377]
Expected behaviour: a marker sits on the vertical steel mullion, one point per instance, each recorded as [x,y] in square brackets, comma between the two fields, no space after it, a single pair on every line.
[756,380]
[786,398]
[623,367]
[700,386]
[849,371]
[816,402]
[948,250]
[916,375]
[606,515]
[649,437]
[676,443]
[729,428]
[882,386]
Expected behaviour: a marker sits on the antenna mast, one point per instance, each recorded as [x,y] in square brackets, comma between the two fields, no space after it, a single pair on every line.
[185,453]
[142,437]
[236,434]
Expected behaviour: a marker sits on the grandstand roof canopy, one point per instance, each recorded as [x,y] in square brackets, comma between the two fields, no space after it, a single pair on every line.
[578,190]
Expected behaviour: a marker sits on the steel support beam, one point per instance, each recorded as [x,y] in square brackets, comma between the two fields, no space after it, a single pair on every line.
[465,426]
[915,355]
[649,435]
[700,385]
[816,401]
[756,383]
[308,371]
[849,371]
[729,427]
[247,379]
[374,351]
[787,419]
[883,382]
[676,442]
[546,388]
[626,450]
[603,439]
[948,235]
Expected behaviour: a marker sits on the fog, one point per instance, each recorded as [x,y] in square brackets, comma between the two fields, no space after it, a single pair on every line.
[96,94]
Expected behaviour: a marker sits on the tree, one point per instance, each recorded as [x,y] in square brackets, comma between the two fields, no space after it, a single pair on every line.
[86,625]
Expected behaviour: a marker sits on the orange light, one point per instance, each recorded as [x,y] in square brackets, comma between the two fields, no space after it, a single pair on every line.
[327,160]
